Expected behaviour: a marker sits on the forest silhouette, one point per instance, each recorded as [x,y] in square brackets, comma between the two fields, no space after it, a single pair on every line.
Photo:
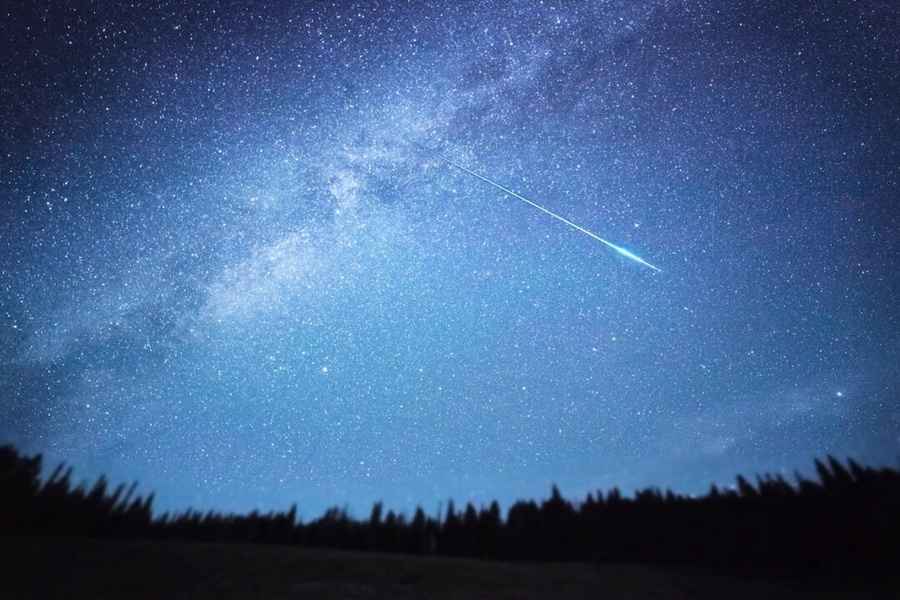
[848,519]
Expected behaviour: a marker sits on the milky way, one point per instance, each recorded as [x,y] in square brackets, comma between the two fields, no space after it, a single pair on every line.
[229,273]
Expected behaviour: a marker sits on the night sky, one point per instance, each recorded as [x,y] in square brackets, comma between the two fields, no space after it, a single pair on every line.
[238,266]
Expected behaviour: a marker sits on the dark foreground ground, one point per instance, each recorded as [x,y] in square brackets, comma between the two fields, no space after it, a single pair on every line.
[81,568]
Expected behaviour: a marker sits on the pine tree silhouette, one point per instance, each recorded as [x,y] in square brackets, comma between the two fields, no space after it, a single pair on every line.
[849,519]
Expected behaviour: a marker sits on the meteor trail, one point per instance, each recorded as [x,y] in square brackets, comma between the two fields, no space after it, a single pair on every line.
[506,190]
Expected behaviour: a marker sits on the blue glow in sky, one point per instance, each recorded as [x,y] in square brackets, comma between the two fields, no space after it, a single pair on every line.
[231,271]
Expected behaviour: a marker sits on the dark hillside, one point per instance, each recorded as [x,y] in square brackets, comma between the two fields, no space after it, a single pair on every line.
[68,568]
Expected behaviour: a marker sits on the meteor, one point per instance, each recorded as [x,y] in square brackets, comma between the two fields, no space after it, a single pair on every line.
[506,190]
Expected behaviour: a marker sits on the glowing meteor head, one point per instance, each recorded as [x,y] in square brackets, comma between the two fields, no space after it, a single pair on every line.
[634,257]
[628,254]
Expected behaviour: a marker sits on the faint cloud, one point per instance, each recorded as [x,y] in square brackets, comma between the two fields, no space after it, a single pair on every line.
[720,428]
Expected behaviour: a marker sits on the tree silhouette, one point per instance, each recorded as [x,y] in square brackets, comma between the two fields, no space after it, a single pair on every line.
[850,518]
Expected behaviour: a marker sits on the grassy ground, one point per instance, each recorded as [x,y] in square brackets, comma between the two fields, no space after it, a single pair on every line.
[78,568]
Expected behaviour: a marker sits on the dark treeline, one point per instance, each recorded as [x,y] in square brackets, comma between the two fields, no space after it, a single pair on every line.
[849,518]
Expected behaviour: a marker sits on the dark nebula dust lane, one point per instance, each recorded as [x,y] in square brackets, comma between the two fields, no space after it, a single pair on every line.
[230,271]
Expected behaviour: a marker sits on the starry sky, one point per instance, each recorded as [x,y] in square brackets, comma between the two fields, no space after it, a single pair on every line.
[238,267]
